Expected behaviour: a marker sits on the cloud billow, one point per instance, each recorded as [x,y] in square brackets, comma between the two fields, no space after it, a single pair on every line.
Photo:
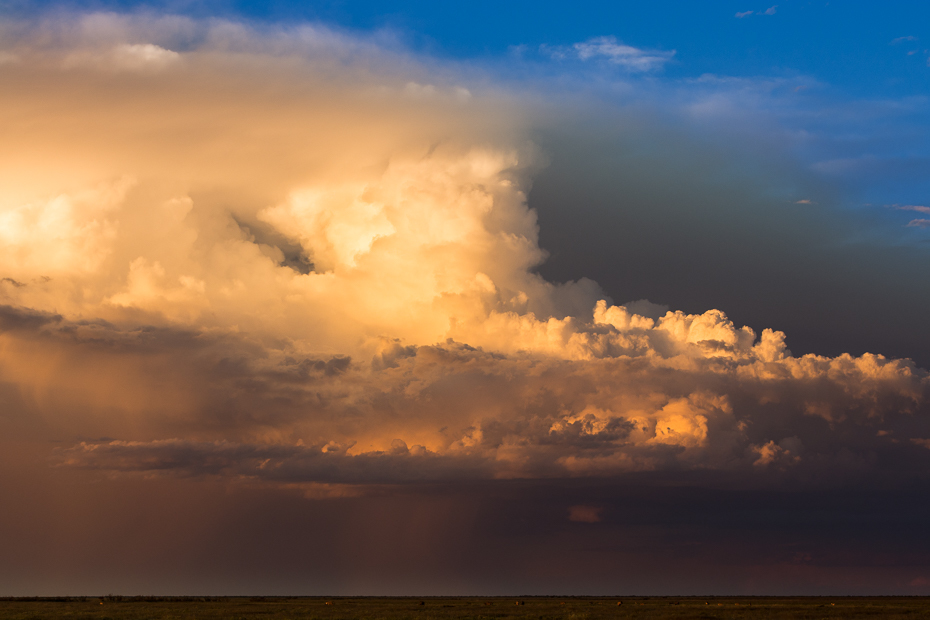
[685,393]
[421,291]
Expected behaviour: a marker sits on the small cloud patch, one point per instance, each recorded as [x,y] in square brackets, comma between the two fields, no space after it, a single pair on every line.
[631,58]
[918,208]
[126,57]
[769,11]
[585,514]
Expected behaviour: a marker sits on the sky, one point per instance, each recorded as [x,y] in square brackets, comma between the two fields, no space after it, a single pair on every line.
[401,298]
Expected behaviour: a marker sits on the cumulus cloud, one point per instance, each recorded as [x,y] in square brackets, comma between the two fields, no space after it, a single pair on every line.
[269,263]
[281,294]
[64,234]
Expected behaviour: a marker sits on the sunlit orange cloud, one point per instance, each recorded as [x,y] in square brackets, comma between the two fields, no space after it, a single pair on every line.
[294,258]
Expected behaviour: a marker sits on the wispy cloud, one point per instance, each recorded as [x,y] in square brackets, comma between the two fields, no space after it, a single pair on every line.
[614,52]
[125,57]
[918,208]
[919,223]
[902,40]
[769,11]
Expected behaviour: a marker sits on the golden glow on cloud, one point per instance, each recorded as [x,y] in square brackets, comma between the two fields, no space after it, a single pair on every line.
[291,259]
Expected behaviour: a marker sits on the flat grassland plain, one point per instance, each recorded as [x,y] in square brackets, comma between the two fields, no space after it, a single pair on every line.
[462,608]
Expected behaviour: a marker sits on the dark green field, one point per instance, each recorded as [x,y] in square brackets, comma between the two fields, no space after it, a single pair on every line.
[536,608]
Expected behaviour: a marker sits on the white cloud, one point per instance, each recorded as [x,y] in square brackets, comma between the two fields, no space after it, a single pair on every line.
[768,11]
[627,56]
[141,56]
[630,58]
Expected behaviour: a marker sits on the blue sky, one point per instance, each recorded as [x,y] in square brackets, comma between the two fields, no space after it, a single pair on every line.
[855,46]
[849,45]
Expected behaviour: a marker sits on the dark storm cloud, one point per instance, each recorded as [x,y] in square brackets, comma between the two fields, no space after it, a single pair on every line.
[22,319]
[749,415]
[326,463]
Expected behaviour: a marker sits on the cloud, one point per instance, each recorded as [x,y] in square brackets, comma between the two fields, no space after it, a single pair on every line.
[350,297]
[64,234]
[916,223]
[585,514]
[631,58]
[281,290]
[902,40]
[125,57]
[623,394]
[919,208]
[272,463]
[768,11]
